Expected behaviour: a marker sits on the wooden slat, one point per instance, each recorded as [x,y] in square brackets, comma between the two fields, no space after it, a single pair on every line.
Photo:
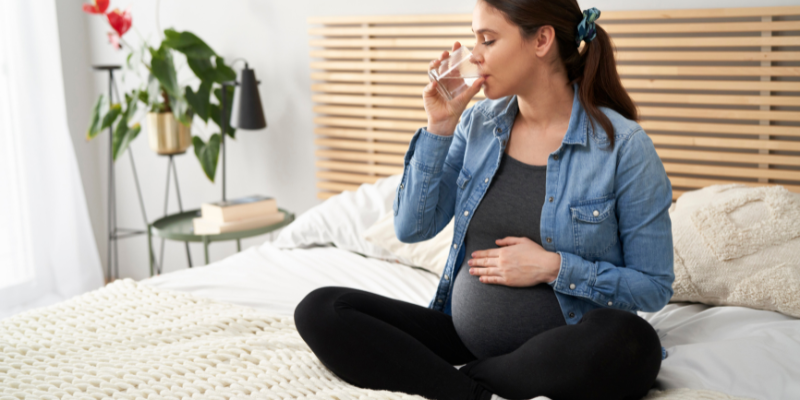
[350,178]
[326,195]
[728,157]
[356,167]
[622,69]
[621,55]
[696,183]
[701,13]
[679,112]
[732,129]
[375,101]
[360,145]
[714,99]
[670,84]
[395,113]
[713,113]
[365,134]
[402,126]
[605,16]
[713,42]
[725,143]
[422,80]
[359,156]
[337,186]
[466,30]
[415,90]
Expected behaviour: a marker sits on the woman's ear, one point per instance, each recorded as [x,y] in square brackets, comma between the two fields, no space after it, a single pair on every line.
[544,40]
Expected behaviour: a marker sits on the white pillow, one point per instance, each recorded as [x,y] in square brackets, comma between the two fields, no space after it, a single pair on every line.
[430,254]
[739,246]
[340,220]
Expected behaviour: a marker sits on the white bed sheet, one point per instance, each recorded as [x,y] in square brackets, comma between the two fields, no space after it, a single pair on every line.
[735,350]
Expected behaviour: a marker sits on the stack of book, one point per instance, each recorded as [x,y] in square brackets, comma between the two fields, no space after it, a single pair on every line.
[241,214]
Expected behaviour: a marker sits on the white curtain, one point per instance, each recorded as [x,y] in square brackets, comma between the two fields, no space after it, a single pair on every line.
[47,248]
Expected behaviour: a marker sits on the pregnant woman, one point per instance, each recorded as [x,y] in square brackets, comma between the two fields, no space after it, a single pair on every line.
[562,231]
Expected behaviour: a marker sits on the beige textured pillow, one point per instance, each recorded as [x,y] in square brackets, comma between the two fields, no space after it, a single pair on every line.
[738,245]
[430,254]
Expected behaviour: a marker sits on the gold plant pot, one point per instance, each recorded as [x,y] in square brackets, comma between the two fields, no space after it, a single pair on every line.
[166,134]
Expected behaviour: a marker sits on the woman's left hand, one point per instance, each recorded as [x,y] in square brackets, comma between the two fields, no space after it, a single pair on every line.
[519,262]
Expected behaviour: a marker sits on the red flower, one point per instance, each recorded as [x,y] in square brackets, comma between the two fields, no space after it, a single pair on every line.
[99,7]
[114,40]
[120,21]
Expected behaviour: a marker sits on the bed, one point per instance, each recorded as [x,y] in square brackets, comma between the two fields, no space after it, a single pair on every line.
[226,330]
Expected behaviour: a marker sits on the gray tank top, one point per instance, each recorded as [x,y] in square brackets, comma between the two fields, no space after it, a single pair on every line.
[494,319]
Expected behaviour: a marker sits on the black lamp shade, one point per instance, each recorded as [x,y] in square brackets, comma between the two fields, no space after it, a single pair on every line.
[250,113]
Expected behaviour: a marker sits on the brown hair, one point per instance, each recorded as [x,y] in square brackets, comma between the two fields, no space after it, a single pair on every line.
[594,69]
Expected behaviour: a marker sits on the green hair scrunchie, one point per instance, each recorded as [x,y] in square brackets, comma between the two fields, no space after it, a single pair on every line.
[586,28]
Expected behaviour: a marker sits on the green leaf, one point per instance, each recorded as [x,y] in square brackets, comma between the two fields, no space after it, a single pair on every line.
[111,116]
[224,72]
[187,43]
[214,111]
[123,136]
[96,118]
[200,100]
[132,101]
[207,154]
[164,70]
[202,68]
[144,96]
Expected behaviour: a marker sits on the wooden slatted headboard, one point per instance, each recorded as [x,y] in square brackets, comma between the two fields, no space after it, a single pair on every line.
[718,91]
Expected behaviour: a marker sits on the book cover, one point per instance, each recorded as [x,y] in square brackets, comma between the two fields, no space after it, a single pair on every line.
[203,226]
[239,208]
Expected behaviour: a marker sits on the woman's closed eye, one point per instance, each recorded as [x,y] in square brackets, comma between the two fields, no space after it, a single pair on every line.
[488,42]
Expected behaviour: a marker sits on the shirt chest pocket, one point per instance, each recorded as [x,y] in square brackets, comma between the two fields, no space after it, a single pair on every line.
[594,224]
[463,178]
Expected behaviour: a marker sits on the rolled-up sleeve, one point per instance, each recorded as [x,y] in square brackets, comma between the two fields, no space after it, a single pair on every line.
[644,195]
[425,200]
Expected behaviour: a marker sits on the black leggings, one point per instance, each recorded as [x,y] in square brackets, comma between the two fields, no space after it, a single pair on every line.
[375,342]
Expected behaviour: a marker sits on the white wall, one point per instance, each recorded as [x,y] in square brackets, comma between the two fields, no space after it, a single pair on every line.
[279,161]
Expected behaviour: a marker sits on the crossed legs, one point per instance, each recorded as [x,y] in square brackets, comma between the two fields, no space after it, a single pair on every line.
[375,342]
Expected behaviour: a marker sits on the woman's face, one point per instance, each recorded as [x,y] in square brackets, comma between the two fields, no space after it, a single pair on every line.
[509,62]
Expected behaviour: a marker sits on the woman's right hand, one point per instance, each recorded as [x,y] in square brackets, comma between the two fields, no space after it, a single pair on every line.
[443,115]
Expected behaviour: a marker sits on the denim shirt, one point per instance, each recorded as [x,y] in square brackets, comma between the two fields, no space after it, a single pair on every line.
[606,210]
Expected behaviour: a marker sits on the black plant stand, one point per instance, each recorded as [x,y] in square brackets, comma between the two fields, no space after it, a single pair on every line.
[115,232]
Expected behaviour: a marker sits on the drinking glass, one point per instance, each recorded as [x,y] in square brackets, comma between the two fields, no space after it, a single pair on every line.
[456,73]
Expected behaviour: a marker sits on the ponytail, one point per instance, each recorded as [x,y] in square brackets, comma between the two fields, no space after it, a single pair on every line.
[599,84]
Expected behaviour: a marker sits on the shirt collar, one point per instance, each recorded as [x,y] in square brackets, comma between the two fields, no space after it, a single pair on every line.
[502,112]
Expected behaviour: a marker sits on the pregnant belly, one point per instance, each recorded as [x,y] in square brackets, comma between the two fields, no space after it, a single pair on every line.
[495,319]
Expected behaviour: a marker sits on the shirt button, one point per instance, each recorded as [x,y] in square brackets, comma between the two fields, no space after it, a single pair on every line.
[555,157]
[440,300]
[466,213]
[401,186]
[551,199]
[454,245]
[498,130]
[572,286]
[549,240]
[572,315]
[595,213]
[609,303]
[448,278]
[486,180]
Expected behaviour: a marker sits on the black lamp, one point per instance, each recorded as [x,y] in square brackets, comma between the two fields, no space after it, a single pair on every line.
[250,113]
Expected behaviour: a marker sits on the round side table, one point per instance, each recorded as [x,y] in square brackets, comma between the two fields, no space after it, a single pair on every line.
[179,227]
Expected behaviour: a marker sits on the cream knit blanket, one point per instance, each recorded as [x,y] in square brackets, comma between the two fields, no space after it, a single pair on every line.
[132,341]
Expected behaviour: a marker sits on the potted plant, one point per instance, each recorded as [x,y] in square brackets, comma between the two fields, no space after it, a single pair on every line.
[168,106]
